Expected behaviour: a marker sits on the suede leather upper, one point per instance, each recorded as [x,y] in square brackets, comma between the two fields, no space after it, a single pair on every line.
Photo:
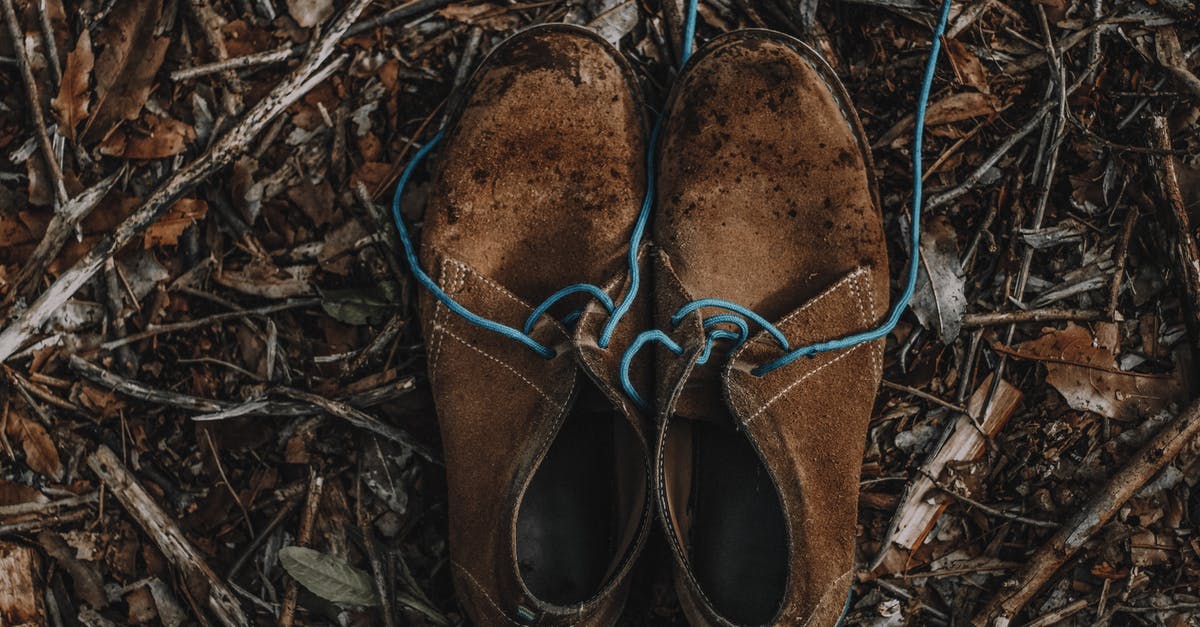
[538,186]
[766,198]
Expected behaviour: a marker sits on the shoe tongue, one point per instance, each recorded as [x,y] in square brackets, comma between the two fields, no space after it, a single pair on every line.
[701,398]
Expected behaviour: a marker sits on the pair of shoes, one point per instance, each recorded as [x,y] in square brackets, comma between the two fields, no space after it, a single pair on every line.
[764,210]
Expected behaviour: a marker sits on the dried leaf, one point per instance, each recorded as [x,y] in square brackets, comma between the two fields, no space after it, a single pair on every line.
[85,578]
[40,454]
[336,254]
[616,22]
[328,577]
[940,300]
[126,67]
[1083,368]
[953,108]
[359,306]
[967,66]
[71,104]
[159,138]
[166,231]
[309,13]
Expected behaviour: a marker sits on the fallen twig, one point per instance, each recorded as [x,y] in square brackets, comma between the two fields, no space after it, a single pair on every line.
[916,514]
[316,484]
[363,421]
[158,329]
[17,37]
[219,409]
[61,228]
[1186,246]
[202,582]
[281,54]
[314,70]
[1030,315]
[1153,457]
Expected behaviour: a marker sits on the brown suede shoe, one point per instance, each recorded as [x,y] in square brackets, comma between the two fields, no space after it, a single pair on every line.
[766,199]
[538,186]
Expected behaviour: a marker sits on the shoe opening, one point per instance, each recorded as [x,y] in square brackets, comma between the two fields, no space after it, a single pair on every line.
[727,516]
[582,508]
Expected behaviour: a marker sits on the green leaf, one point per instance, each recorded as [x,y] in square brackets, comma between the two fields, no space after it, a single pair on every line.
[360,306]
[328,577]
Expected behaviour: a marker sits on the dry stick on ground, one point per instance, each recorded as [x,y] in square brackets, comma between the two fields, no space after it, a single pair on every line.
[916,515]
[316,483]
[363,420]
[311,72]
[136,389]
[248,553]
[157,329]
[35,102]
[201,581]
[210,24]
[50,44]
[1121,257]
[1152,458]
[61,227]
[43,522]
[379,574]
[1185,246]
[1030,315]
[278,55]
[24,509]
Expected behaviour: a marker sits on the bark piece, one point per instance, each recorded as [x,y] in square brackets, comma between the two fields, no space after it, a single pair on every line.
[918,512]
[21,588]
[203,584]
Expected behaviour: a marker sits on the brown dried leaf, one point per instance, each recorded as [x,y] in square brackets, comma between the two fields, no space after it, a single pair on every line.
[85,578]
[968,66]
[126,67]
[17,494]
[1083,368]
[31,436]
[953,108]
[166,231]
[71,104]
[161,137]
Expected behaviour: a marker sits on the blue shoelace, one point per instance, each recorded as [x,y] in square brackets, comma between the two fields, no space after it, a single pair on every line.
[740,313]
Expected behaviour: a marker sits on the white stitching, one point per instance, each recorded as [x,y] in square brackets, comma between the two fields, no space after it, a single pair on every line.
[492,357]
[876,356]
[508,294]
[808,374]
[439,309]
[762,336]
[475,583]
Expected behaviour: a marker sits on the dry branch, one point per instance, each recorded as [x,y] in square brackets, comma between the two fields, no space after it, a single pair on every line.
[308,517]
[136,389]
[1186,246]
[35,102]
[281,54]
[201,581]
[916,515]
[62,226]
[1153,457]
[308,75]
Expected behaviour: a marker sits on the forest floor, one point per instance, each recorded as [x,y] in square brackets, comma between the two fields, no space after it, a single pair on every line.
[210,356]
